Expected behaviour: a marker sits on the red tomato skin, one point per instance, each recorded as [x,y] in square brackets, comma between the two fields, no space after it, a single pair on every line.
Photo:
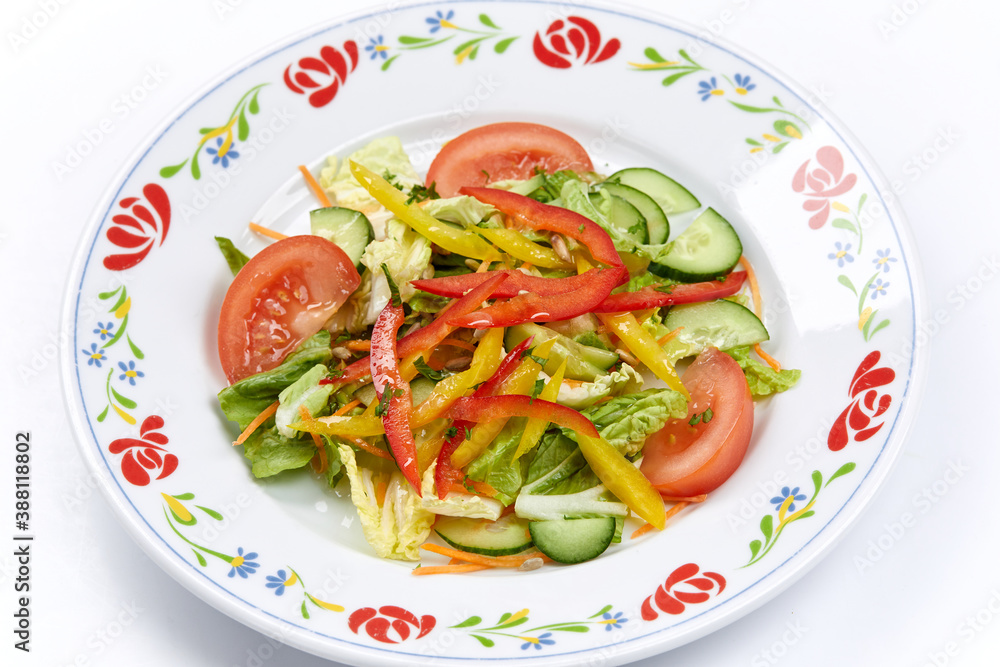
[700,459]
[504,151]
[278,274]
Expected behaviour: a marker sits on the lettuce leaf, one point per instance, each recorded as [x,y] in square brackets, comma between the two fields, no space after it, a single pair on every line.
[306,391]
[407,254]
[763,379]
[467,505]
[496,466]
[626,421]
[398,527]
[381,155]
[270,452]
[243,401]
[622,381]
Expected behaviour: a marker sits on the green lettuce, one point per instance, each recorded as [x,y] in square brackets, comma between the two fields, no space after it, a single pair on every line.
[496,466]
[384,155]
[407,255]
[270,452]
[763,379]
[622,381]
[466,211]
[467,505]
[235,258]
[398,527]
[306,391]
[626,421]
[243,401]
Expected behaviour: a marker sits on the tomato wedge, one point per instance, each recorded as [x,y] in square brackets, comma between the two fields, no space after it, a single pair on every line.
[283,295]
[684,460]
[503,151]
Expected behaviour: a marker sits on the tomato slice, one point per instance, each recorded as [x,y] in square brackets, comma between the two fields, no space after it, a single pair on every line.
[683,460]
[504,151]
[283,295]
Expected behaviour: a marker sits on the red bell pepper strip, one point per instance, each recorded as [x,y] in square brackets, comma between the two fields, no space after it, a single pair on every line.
[488,408]
[430,336]
[538,308]
[650,297]
[552,218]
[517,282]
[399,401]
[445,474]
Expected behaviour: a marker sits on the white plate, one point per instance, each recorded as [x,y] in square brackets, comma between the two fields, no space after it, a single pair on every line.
[840,282]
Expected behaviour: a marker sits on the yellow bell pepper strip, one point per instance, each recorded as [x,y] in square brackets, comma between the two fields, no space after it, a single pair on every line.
[645,348]
[485,361]
[395,399]
[514,244]
[450,238]
[623,479]
[535,428]
[490,409]
[361,426]
[520,382]
[428,337]
[445,474]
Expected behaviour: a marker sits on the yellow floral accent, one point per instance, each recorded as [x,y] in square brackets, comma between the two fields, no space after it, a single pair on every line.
[325,605]
[840,207]
[533,640]
[756,150]
[124,308]
[718,91]
[444,23]
[177,508]
[771,137]
[517,617]
[791,131]
[784,508]
[463,54]
[654,66]
[865,315]
[236,562]
[741,91]
[218,132]
[292,580]
[129,419]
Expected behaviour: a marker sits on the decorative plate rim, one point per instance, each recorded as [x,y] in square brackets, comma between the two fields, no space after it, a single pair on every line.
[272,625]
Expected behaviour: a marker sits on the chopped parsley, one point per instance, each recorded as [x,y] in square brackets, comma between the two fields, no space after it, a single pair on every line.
[429,372]
[393,288]
[419,193]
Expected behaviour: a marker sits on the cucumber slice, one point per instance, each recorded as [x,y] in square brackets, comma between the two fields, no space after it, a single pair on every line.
[504,537]
[670,195]
[573,540]
[722,324]
[582,361]
[624,216]
[349,229]
[707,249]
[657,225]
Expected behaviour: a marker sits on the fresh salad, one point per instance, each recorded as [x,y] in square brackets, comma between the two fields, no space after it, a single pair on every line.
[489,355]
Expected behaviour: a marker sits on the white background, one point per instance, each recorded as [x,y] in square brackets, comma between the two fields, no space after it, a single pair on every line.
[909,78]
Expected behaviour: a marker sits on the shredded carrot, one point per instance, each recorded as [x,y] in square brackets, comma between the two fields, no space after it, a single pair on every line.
[689,499]
[669,336]
[358,345]
[573,383]
[449,569]
[380,490]
[315,187]
[483,267]
[454,342]
[758,305]
[602,400]
[525,266]
[507,510]
[771,361]
[642,530]
[371,449]
[490,561]
[347,408]
[264,231]
[258,420]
